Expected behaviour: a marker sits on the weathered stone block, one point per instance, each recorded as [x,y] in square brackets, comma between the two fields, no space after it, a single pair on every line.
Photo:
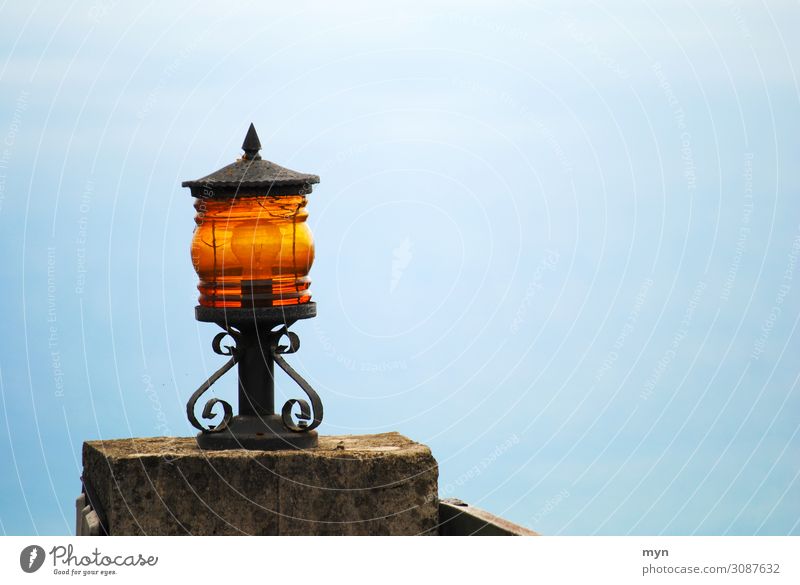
[349,485]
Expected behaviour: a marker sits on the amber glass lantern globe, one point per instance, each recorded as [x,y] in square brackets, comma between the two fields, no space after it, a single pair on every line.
[252,246]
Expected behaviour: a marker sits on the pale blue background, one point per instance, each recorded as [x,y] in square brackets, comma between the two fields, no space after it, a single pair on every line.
[499,184]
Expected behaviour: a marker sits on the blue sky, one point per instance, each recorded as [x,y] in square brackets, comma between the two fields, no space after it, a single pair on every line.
[557,242]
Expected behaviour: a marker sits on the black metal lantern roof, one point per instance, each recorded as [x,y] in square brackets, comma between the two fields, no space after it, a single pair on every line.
[251,175]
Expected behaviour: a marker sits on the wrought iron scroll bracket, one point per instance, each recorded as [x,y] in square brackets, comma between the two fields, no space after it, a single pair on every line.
[227,410]
[312,412]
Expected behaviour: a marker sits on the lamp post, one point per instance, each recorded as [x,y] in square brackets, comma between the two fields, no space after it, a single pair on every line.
[252,251]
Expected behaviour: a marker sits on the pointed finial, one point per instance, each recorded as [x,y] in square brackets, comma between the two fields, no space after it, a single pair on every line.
[251,144]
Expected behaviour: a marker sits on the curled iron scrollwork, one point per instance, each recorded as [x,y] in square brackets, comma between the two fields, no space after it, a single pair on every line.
[312,412]
[227,410]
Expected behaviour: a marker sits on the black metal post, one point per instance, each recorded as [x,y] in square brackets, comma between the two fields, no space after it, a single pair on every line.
[256,373]
[257,333]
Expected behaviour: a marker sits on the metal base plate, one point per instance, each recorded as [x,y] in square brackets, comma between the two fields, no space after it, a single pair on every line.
[239,316]
[260,433]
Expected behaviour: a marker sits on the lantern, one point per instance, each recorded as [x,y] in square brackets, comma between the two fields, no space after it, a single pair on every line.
[252,250]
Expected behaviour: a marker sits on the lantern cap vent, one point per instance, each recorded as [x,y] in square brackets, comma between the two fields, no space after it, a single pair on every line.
[250,173]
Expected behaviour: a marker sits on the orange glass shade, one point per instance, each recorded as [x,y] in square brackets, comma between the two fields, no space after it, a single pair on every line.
[252,251]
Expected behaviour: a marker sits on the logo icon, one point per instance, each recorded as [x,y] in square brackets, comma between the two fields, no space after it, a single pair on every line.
[401,258]
[31,558]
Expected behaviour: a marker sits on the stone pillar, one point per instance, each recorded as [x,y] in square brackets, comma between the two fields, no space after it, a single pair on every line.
[349,485]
